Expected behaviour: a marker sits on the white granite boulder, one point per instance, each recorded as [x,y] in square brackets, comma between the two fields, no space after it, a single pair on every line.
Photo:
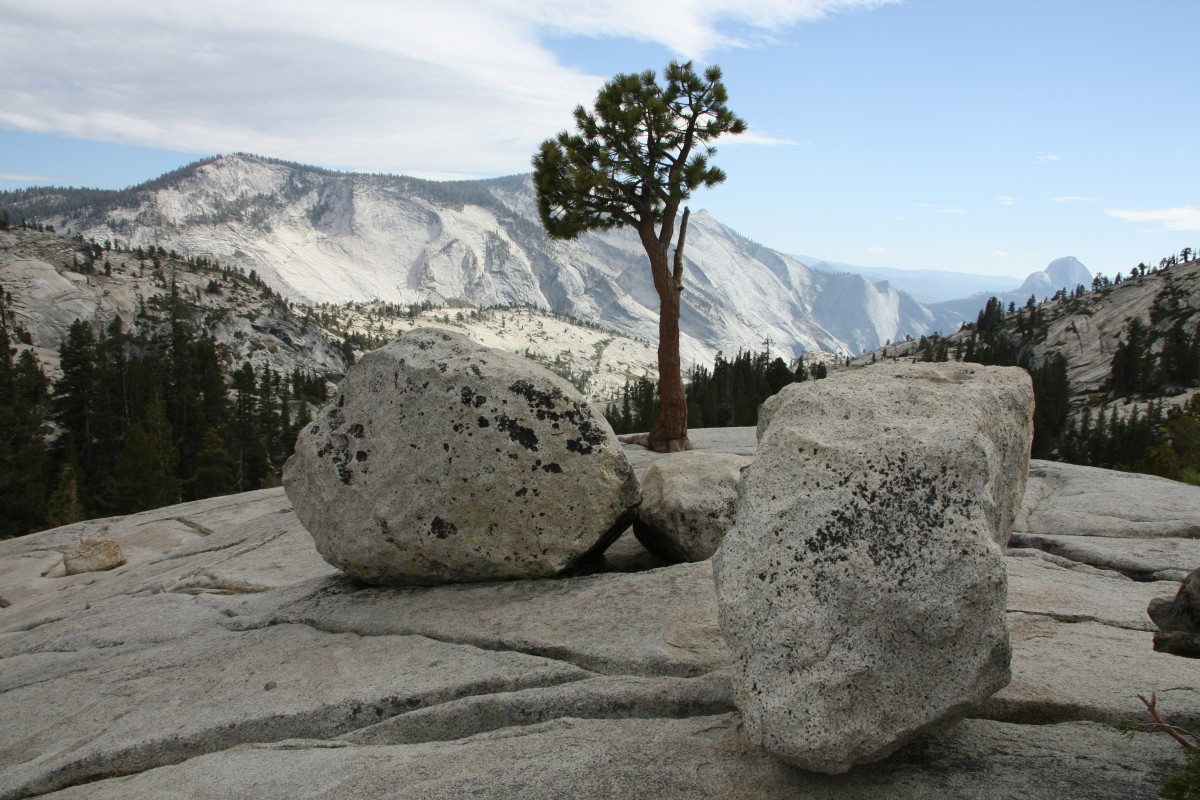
[688,503]
[440,460]
[862,589]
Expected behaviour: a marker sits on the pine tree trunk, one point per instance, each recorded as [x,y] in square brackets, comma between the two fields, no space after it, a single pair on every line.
[669,433]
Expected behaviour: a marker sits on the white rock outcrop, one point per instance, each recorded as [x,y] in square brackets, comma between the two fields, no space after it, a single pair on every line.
[862,589]
[442,461]
[688,503]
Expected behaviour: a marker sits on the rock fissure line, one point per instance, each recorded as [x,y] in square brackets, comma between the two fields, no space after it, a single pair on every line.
[192,553]
[599,697]
[1059,616]
[196,526]
[323,723]
[598,664]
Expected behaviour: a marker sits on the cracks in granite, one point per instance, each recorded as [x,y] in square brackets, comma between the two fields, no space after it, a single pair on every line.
[1031,541]
[438,715]
[1076,618]
[322,724]
[196,526]
[596,664]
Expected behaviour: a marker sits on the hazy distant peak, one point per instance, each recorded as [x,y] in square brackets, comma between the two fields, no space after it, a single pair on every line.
[1068,272]
[1061,273]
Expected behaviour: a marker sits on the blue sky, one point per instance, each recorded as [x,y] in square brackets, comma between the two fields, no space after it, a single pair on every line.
[984,136]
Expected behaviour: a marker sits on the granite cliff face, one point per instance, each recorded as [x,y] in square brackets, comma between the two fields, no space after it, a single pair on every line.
[319,236]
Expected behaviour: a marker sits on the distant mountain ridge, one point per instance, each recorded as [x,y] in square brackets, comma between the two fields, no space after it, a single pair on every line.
[321,236]
[925,285]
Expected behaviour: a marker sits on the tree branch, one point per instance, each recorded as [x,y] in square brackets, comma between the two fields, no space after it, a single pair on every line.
[677,271]
[1162,724]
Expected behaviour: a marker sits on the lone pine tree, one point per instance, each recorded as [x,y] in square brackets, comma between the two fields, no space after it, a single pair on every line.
[633,161]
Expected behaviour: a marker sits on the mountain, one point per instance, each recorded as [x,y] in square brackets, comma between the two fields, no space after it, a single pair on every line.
[52,281]
[1065,273]
[318,236]
[1062,273]
[1115,364]
[925,285]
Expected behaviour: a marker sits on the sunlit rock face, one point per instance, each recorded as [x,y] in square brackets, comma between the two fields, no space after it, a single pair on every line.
[862,589]
[441,461]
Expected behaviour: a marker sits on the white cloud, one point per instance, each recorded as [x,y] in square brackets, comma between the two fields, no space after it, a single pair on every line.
[753,138]
[1005,200]
[1183,218]
[23,177]
[942,208]
[1048,158]
[457,88]
[1000,254]
[691,28]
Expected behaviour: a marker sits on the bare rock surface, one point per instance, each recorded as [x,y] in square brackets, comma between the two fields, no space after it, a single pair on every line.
[440,460]
[688,504]
[1070,500]
[733,441]
[862,590]
[1151,559]
[228,659]
[667,759]
[660,622]
[1052,587]
[1050,683]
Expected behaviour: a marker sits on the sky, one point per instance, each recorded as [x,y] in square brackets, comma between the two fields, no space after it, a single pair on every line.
[980,136]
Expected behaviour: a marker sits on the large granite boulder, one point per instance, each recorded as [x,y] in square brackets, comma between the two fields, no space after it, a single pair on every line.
[862,589]
[688,503]
[440,460]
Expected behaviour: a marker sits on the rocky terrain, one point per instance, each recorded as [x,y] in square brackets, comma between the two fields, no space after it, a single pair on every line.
[227,659]
[1087,330]
[43,272]
[319,236]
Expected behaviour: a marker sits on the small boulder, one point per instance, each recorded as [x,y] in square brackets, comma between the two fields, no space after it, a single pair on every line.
[688,503]
[92,555]
[1178,619]
[441,460]
[862,588]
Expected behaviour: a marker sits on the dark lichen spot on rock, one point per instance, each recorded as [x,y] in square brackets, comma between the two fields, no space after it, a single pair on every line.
[553,468]
[476,371]
[446,446]
[356,430]
[441,528]
[469,398]
[534,396]
[518,433]
[361,455]
[521,492]
[442,367]
[483,422]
